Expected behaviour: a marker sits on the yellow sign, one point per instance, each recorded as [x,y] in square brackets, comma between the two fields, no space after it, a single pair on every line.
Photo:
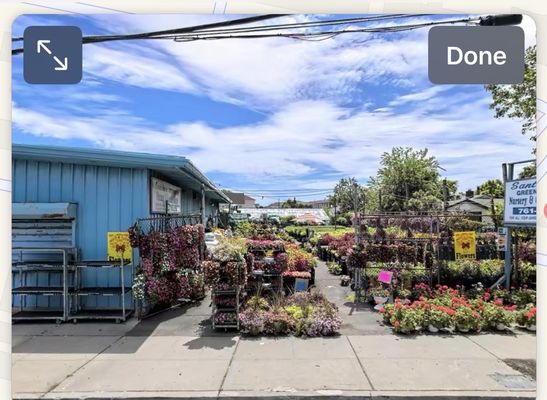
[118,242]
[464,245]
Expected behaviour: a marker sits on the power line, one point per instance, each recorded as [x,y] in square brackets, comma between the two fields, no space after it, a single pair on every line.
[210,31]
[147,35]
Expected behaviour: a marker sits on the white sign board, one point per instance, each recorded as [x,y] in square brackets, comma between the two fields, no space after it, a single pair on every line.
[162,193]
[520,202]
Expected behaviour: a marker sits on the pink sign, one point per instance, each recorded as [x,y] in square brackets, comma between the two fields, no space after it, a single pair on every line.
[385,276]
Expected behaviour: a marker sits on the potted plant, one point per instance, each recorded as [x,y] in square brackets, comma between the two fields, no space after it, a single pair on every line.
[466,319]
[403,294]
[496,316]
[380,295]
[411,320]
[439,318]
[345,280]
[526,318]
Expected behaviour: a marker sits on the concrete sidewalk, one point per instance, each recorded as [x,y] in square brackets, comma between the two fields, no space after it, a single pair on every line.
[104,361]
[176,355]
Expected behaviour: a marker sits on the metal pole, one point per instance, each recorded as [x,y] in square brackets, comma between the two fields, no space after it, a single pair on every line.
[202,207]
[507,176]
[123,287]
[508,250]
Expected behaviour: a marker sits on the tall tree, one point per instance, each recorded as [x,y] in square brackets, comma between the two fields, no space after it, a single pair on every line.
[409,180]
[528,172]
[492,188]
[346,194]
[518,101]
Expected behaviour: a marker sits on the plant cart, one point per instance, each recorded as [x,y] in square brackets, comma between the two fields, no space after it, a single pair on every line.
[54,282]
[122,292]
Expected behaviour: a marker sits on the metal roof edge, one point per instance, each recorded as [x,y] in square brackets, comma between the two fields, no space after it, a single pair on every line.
[197,174]
[114,158]
[94,156]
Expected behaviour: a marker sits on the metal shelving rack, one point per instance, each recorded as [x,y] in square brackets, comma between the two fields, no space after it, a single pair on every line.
[52,265]
[119,315]
[235,293]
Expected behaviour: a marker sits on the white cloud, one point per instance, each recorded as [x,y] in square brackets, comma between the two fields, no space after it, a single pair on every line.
[261,74]
[309,143]
[310,136]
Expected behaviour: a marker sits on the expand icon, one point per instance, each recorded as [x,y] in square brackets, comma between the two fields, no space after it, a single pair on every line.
[52,55]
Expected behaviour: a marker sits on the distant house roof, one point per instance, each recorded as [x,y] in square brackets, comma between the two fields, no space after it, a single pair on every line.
[479,200]
[179,169]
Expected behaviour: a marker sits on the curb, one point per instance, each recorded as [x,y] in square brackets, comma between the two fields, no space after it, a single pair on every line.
[293,395]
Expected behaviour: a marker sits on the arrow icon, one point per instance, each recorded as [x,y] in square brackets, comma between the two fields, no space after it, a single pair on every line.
[41,44]
[61,67]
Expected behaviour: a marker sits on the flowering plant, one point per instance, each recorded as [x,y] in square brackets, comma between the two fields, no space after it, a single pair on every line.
[252,321]
[265,245]
[139,288]
[277,323]
[225,301]
[211,270]
[466,319]
[334,268]
[527,316]
[411,320]
[440,317]
[222,286]
[325,321]
[379,292]
[297,274]
[495,315]
[225,318]
[229,249]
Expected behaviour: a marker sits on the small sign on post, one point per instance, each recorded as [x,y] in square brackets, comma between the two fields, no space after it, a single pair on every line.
[464,245]
[118,243]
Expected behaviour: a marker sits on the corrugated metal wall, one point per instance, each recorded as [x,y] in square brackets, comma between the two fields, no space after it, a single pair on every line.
[109,199]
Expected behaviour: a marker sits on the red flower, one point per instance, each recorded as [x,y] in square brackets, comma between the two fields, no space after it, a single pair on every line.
[487,296]
[396,324]
[498,302]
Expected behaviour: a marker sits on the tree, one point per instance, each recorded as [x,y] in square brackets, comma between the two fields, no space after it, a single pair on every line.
[528,172]
[409,179]
[518,101]
[345,193]
[492,187]
[293,203]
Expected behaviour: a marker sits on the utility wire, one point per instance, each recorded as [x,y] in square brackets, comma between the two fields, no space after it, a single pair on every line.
[311,24]
[146,35]
[321,34]
[209,31]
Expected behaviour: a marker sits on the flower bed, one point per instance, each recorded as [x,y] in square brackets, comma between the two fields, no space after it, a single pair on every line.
[301,314]
[450,310]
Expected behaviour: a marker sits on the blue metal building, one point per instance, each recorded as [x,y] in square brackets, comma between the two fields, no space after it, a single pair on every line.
[110,191]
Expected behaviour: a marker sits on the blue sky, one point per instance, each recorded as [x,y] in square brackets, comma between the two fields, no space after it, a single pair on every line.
[266,114]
